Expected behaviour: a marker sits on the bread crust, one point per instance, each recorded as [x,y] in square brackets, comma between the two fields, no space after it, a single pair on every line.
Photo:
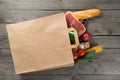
[86,14]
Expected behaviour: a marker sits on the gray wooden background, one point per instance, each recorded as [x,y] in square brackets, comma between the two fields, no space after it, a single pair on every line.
[105,31]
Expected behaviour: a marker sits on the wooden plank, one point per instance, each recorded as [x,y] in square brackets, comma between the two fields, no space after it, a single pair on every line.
[34,77]
[4,41]
[5,54]
[44,77]
[96,77]
[95,67]
[104,67]
[59,4]
[63,1]
[23,15]
[106,55]
[94,28]
[107,62]
[6,67]
[104,28]
[105,41]
[3,29]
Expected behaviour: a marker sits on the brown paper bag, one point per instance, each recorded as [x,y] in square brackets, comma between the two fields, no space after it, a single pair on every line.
[41,44]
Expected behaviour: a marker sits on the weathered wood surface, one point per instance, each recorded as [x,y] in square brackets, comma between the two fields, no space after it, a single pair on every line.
[93,27]
[105,56]
[22,15]
[58,4]
[105,41]
[102,64]
[66,77]
[105,31]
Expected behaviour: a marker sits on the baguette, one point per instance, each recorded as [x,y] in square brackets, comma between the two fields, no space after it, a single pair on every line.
[86,14]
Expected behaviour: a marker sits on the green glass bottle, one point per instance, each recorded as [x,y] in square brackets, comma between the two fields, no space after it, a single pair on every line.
[71,36]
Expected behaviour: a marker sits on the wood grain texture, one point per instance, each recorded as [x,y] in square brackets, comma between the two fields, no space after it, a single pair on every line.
[105,41]
[108,55]
[96,77]
[58,4]
[107,62]
[93,27]
[105,30]
[77,77]
[95,67]
[10,16]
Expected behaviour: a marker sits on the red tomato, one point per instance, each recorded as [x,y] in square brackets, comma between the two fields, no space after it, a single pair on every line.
[82,53]
[75,57]
[86,36]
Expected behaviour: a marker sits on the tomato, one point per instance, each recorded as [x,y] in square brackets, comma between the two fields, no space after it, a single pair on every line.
[86,36]
[82,53]
[75,57]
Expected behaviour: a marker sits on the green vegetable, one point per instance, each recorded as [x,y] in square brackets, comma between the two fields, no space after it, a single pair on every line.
[90,54]
[83,60]
[87,58]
